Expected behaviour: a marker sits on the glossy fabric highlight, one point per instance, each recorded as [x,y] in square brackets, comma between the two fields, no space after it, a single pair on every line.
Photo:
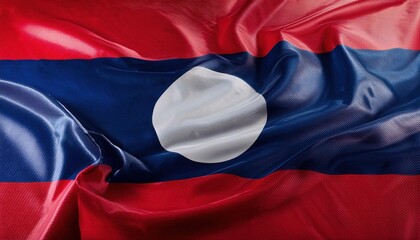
[40,140]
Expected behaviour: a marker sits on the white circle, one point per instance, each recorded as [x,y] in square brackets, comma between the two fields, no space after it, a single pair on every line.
[209,117]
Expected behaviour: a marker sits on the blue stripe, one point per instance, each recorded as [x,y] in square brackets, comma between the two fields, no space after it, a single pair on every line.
[39,140]
[347,111]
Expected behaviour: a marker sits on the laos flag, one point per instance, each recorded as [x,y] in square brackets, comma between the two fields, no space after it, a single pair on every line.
[223,119]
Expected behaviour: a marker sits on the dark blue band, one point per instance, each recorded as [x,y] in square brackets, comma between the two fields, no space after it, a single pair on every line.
[347,111]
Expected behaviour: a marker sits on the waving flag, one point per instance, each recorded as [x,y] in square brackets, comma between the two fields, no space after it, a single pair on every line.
[209,120]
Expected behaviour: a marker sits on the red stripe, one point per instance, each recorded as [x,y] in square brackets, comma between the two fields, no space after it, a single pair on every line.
[177,29]
[292,204]
[285,205]
[39,209]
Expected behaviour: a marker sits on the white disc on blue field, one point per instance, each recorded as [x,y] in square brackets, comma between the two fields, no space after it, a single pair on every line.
[208,116]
